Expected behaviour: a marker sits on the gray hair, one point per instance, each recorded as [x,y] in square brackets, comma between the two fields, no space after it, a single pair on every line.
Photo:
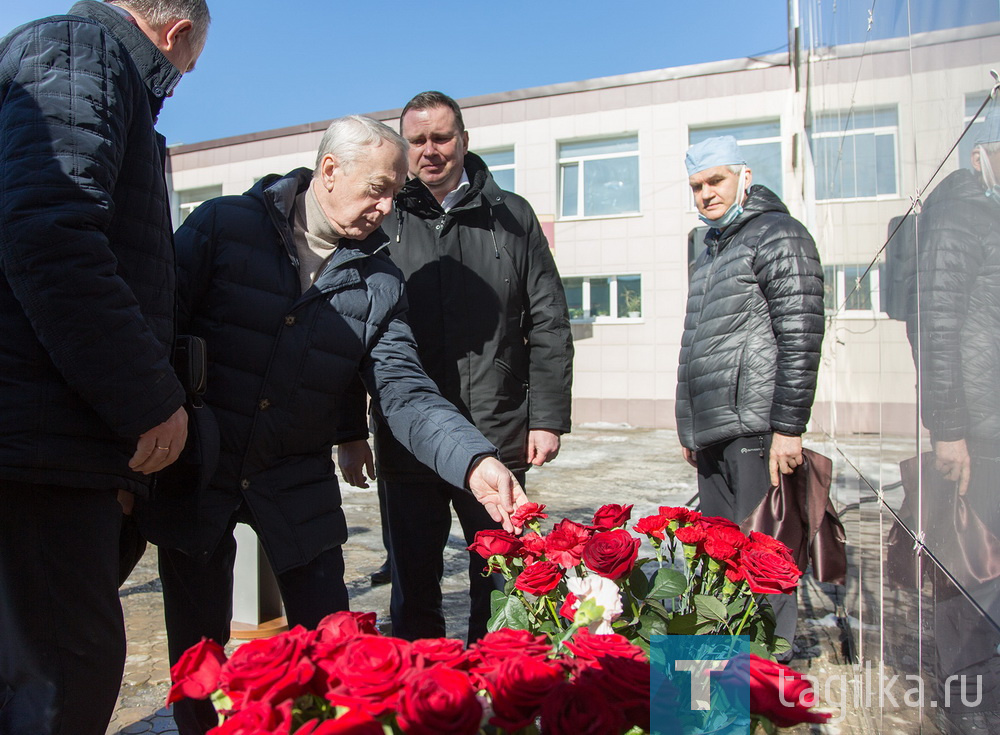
[160,12]
[990,147]
[347,137]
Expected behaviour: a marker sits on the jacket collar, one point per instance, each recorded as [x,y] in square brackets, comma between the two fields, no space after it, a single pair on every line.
[159,75]
[483,191]
[278,195]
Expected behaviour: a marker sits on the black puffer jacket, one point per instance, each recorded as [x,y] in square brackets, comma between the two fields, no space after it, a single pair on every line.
[488,311]
[754,328]
[958,266]
[281,361]
[87,285]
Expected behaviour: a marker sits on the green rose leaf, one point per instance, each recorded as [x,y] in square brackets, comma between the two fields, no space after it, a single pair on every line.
[710,608]
[666,584]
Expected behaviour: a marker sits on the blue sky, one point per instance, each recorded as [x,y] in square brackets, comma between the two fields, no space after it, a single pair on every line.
[269,64]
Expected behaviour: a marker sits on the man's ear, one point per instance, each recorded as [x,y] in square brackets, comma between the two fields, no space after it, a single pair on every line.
[174,33]
[976,159]
[749,179]
[328,169]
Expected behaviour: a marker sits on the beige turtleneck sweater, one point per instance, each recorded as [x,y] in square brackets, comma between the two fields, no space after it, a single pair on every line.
[315,239]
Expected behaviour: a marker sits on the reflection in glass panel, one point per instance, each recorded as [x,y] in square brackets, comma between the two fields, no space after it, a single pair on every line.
[855,154]
[858,286]
[972,104]
[570,189]
[600,296]
[611,186]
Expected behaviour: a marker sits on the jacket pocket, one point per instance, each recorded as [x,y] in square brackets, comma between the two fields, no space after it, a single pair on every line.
[735,391]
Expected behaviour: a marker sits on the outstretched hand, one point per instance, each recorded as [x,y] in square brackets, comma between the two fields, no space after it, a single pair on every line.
[497,489]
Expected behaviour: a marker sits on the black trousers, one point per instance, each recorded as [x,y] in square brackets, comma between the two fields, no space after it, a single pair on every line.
[198,602]
[419,517]
[733,478]
[62,633]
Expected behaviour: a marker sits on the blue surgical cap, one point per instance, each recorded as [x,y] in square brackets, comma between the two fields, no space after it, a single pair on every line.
[989,131]
[722,150]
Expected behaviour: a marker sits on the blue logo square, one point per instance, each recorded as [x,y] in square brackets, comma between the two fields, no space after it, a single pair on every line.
[684,696]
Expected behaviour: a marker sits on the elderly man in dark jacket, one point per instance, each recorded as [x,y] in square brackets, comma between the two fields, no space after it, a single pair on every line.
[489,314]
[751,345]
[292,288]
[90,403]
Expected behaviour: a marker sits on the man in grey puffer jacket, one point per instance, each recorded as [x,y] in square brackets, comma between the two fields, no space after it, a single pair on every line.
[751,344]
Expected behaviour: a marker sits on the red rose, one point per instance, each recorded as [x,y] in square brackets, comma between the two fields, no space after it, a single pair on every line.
[439,701]
[612,516]
[679,514]
[564,544]
[257,718]
[269,669]
[761,685]
[196,674]
[351,722]
[346,624]
[612,554]
[534,547]
[496,541]
[527,513]
[626,682]
[569,606]
[369,673]
[539,578]
[517,688]
[766,571]
[722,542]
[438,650]
[580,708]
[771,544]
[654,526]
[592,646]
[489,651]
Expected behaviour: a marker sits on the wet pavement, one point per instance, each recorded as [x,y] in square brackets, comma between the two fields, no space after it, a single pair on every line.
[597,465]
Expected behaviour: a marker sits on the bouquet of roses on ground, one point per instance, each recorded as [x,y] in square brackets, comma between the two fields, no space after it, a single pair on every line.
[708,577]
[344,677]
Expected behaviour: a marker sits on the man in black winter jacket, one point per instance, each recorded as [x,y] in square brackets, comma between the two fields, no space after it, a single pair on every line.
[292,289]
[954,329]
[90,404]
[489,314]
[751,345]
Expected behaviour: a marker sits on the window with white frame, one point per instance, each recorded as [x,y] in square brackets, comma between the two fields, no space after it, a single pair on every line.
[604,298]
[849,290]
[501,164]
[972,103]
[599,178]
[854,152]
[189,199]
[760,143]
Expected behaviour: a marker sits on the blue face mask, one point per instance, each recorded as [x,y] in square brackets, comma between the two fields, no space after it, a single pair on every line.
[735,209]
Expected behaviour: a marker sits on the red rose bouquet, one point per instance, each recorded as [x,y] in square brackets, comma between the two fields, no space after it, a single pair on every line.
[705,576]
[346,678]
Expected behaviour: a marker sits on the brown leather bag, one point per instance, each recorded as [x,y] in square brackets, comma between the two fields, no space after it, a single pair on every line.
[799,513]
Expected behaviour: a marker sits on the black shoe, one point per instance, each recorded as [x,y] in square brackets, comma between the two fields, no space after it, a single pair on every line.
[382,575]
